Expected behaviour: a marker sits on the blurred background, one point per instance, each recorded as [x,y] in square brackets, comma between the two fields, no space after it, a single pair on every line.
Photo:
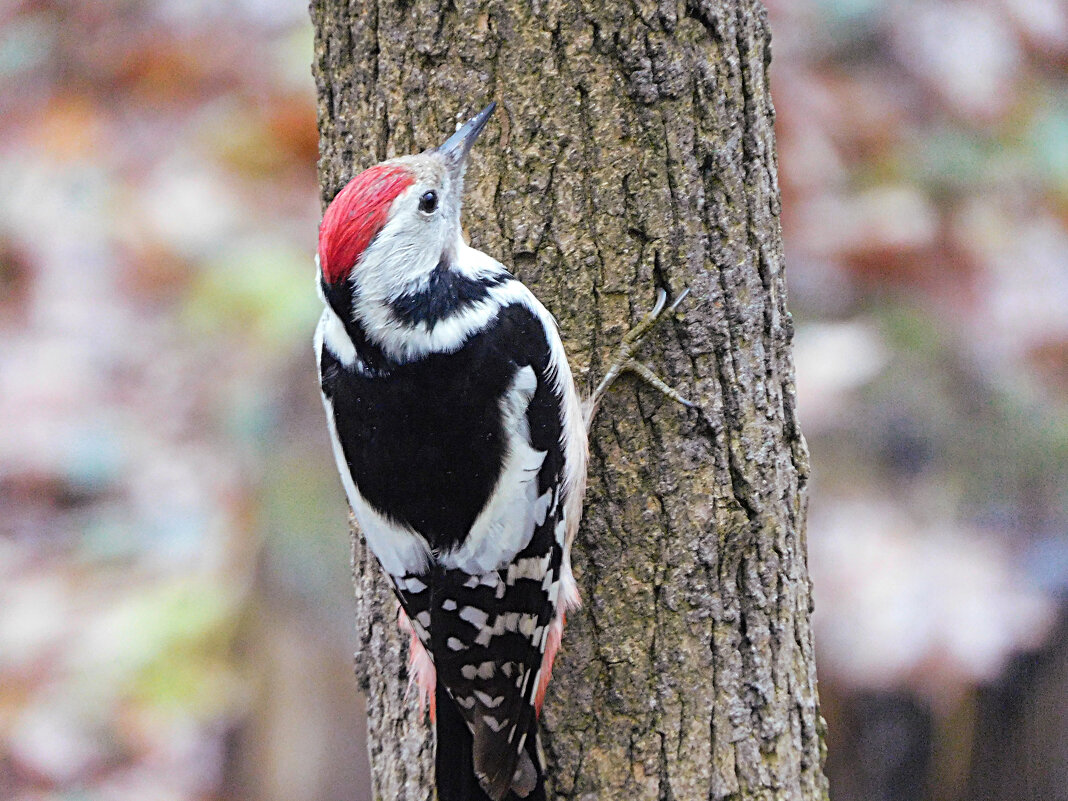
[175,614]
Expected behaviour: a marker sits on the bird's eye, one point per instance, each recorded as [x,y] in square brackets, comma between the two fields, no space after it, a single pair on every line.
[428,202]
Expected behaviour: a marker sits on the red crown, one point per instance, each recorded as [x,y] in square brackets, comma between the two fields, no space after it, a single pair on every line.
[355,215]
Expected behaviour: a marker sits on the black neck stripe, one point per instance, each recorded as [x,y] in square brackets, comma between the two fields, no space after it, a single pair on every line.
[446,293]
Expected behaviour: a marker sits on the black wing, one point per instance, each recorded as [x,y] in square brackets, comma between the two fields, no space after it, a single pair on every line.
[490,630]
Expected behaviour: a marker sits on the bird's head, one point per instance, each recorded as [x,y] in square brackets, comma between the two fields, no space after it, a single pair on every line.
[392,225]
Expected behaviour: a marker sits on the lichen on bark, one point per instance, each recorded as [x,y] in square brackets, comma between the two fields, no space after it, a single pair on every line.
[633,148]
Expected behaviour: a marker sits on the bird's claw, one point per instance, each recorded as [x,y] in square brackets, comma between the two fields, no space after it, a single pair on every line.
[624,361]
[645,372]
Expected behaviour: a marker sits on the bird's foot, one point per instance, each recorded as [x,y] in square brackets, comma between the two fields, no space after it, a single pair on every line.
[624,360]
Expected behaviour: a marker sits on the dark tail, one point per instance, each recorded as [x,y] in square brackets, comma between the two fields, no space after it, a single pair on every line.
[454,770]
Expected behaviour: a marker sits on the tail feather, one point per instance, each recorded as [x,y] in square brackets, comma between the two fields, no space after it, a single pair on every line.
[454,771]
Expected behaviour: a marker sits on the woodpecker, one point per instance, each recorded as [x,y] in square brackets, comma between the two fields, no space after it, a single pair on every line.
[461,443]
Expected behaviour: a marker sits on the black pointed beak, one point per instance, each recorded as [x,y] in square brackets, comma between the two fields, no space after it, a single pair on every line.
[458,145]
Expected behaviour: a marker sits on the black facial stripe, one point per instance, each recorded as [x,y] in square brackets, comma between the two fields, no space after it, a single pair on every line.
[447,293]
[340,296]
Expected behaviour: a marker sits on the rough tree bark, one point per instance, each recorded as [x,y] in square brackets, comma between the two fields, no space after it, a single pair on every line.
[633,148]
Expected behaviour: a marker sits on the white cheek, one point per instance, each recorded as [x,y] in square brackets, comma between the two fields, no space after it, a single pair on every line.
[425,234]
[402,255]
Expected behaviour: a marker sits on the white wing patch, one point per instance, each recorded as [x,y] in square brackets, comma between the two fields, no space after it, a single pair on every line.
[507,522]
[331,333]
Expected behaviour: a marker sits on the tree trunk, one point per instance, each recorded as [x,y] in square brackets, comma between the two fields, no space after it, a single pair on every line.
[633,148]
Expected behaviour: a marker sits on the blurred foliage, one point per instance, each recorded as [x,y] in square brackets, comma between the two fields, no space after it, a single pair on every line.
[156,309]
[174,590]
[922,149]
[257,294]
